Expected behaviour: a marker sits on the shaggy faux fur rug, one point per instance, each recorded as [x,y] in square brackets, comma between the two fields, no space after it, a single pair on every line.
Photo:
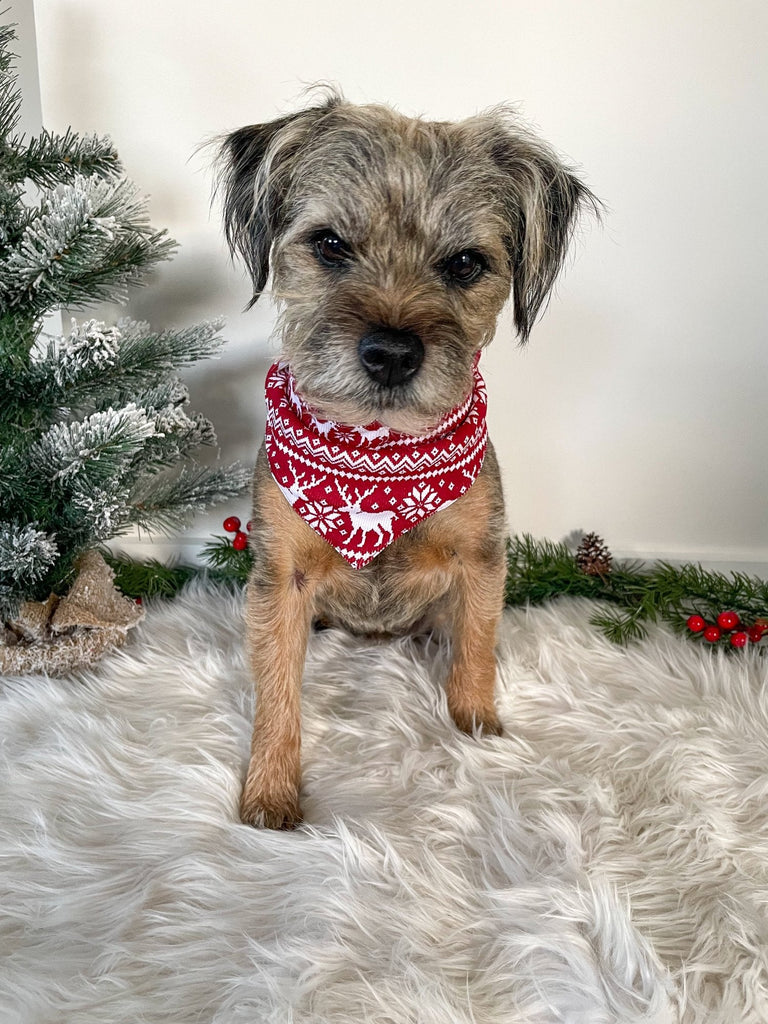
[606,860]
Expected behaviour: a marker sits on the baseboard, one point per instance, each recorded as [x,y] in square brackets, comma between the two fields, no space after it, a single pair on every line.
[751,564]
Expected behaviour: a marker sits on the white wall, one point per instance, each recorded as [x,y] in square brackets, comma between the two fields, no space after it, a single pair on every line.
[638,409]
[25,48]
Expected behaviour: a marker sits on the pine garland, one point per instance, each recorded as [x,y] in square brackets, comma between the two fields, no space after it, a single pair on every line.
[537,571]
[150,578]
[541,570]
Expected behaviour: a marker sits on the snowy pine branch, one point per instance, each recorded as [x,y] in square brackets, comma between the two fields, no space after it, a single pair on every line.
[85,243]
[100,512]
[26,554]
[97,446]
[168,504]
[144,352]
[89,350]
[95,367]
[49,160]
[177,433]
[25,551]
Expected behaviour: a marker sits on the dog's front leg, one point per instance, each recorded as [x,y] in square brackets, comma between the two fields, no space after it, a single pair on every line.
[477,607]
[278,616]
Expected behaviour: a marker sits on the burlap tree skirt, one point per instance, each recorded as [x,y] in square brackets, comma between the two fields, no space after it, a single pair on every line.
[63,634]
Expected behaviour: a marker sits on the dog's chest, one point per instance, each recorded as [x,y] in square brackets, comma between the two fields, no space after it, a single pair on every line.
[399,590]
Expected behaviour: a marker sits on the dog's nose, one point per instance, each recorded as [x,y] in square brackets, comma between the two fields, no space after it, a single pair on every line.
[391,357]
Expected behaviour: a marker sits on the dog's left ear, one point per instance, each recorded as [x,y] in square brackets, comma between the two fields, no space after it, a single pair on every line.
[256,166]
[543,200]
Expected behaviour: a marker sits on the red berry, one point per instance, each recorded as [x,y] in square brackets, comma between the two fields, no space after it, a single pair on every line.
[755,633]
[738,639]
[249,525]
[695,623]
[727,620]
[712,634]
[240,541]
[138,600]
[231,524]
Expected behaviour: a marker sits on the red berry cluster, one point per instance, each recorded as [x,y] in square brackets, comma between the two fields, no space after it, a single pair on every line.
[232,525]
[739,635]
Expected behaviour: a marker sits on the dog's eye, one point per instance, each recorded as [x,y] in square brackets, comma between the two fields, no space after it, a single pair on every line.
[464,267]
[330,249]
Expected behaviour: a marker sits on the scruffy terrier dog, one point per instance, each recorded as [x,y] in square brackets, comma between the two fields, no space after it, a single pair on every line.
[393,243]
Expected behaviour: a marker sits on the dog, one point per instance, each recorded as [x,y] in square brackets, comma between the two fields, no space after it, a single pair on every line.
[393,244]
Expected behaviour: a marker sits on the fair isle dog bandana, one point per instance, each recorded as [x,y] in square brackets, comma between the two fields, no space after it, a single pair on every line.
[360,488]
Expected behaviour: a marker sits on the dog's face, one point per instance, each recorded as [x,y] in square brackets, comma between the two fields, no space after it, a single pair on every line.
[393,244]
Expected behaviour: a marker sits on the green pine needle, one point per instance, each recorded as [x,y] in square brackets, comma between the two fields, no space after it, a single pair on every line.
[229,563]
[150,578]
[48,160]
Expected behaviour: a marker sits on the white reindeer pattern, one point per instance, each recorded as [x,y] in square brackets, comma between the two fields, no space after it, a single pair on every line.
[365,522]
[367,436]
[297,491]
[323,427]
[293,396]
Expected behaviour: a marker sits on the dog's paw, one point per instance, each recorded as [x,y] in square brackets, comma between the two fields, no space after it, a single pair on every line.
[475,722]
[269,806]
[263,813]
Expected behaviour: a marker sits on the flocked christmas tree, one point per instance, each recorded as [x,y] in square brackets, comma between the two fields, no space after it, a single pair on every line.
[95,436]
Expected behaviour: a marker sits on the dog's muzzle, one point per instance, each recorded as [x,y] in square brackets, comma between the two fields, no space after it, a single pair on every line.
[391,357]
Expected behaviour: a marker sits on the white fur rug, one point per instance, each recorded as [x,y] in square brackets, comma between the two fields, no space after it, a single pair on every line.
[604,861]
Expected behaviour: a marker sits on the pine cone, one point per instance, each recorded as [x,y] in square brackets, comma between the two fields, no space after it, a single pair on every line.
[593,557]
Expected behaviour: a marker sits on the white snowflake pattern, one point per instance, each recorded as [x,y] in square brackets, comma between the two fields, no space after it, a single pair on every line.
[321,517]
[420,502]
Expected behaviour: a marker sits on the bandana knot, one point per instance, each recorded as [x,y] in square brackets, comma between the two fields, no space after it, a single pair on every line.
[360,488]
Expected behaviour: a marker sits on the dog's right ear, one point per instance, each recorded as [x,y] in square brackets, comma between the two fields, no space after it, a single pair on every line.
[543,200]
[256,165]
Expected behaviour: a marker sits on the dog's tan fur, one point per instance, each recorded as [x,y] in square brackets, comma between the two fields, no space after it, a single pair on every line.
[405,195]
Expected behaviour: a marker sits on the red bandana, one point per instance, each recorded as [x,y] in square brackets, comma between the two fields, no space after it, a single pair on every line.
[360,488]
